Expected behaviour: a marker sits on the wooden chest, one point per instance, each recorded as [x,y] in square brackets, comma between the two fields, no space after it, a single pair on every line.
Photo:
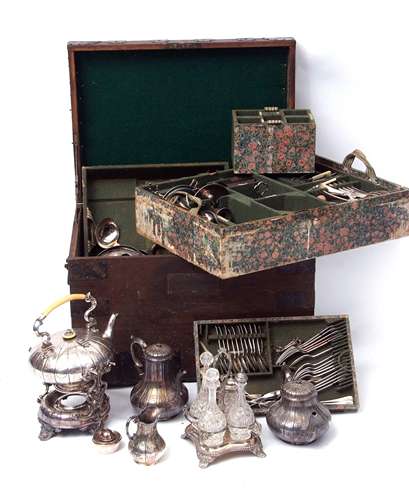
[273,141]
[291,219]
[152,111]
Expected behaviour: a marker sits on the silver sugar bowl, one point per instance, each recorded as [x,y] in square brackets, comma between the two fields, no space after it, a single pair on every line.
[298,417]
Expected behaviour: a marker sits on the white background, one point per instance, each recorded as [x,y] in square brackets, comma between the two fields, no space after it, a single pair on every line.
[352,71]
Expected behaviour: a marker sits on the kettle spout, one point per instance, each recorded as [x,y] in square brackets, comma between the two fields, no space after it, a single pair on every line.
[110,326]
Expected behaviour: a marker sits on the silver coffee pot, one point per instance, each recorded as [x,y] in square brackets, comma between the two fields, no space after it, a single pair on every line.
[161,379]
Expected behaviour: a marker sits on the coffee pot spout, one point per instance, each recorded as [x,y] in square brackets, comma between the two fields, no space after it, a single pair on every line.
[110,326]
[179,376]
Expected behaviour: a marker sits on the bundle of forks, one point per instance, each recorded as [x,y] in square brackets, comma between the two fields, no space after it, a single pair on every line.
[341,190]
[247,346]
[324,360]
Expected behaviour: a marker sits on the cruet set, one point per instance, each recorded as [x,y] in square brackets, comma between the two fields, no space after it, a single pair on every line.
[222,421]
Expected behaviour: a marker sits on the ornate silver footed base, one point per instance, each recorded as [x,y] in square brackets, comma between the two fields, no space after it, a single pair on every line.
[54,418]
[47,432]
[208,455]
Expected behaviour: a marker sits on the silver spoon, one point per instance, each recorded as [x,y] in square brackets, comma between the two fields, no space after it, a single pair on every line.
[107,233]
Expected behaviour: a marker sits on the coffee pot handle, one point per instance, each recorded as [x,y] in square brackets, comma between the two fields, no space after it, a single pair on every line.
[137,342]
[68,298]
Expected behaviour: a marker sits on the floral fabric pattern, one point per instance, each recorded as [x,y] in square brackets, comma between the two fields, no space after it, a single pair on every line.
[275,149]
[266,243]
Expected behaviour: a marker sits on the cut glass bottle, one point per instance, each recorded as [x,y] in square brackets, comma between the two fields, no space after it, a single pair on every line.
[240,417]
[199,404]
[212,422]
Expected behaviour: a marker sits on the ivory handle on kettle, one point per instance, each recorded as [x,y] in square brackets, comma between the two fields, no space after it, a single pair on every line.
[60,302]
[68,298]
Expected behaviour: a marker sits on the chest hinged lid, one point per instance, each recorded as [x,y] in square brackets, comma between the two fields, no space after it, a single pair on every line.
[170,101]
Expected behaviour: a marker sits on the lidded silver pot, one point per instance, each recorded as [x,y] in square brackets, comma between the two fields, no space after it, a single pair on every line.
[161,384]
[298,417]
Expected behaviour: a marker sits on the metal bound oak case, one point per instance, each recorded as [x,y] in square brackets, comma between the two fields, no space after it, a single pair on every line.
[273,220]
[151,111]
[260,346]
[273,141]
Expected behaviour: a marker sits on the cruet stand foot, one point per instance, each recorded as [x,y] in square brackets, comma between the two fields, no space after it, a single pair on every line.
[258,449]
[204,459]
[207,455]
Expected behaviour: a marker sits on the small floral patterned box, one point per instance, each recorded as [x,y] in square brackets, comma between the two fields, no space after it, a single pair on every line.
[273,141]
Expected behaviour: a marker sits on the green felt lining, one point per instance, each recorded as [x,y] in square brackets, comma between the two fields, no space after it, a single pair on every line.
[109,192]
[245,209]
[272,188]
[170,106]
[278,197]
[291,202]
[244,203]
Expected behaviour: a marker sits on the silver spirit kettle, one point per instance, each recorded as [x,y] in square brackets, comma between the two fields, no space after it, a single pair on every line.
[63,357]
[73,361]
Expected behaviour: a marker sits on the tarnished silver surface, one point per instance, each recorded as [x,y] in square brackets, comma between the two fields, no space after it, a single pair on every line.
[120,251]
[161,380]
[207,455]
[74,362]
[106,441]
[65,360]
[107,233]
[146,445]
[216,433]
[86,416]
[298,417]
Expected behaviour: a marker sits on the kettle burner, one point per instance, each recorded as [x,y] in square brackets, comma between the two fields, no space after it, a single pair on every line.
[73,363]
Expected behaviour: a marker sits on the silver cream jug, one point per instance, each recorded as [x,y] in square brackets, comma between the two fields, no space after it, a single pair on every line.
[146,445]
